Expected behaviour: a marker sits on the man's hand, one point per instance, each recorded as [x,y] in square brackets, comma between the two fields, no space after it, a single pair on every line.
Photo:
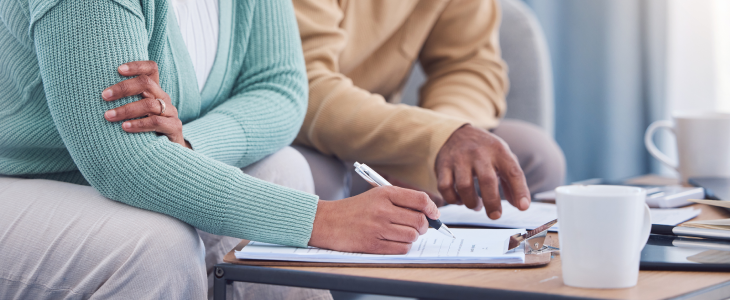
[383,220]
[471,152]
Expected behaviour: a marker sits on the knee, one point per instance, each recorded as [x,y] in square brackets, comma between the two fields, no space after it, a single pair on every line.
[539,155]
[286,167]
[165,234]
[170,251]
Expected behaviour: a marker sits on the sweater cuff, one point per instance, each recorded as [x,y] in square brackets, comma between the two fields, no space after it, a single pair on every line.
[217,136]
[286,215]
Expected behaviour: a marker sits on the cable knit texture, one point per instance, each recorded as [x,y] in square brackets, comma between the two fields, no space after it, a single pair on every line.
[57,56]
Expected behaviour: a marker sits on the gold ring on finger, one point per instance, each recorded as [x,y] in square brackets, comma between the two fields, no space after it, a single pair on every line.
[164,106]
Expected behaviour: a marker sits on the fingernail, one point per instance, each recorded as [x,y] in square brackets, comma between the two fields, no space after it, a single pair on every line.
[123,68]
[524,203]
[495,215]
[107,94]
[110,114]
[126,125]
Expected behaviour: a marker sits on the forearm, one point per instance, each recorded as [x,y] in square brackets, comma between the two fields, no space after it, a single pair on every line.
[476,97]
[352,124]
[142,169]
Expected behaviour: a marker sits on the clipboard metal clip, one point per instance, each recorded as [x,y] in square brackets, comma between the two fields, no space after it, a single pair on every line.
[534,239]
[536,244]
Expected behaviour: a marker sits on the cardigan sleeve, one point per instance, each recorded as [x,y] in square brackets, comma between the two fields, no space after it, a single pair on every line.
[351,123]
[466,75]
[79,45]
[268,99]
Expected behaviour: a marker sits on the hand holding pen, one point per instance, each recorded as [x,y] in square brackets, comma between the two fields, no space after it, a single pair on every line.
[385,220]
[376,180]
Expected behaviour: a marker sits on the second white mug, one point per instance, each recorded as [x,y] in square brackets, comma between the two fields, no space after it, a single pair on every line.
[703,144]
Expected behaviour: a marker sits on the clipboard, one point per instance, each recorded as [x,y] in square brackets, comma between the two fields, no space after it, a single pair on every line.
[531,260]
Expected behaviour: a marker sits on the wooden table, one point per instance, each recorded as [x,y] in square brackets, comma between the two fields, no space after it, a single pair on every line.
[543,282]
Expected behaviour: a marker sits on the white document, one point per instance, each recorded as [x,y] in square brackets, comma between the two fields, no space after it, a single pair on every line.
[541,213]
[535,216]
[470,246]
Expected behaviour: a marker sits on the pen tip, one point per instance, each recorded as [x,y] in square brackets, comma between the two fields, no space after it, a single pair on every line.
[445,229]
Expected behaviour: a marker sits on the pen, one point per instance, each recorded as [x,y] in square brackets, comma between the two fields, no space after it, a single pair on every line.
[376,180]
[691,232]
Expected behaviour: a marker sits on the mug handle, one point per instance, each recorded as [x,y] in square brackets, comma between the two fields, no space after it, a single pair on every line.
[653,150]
[646,229]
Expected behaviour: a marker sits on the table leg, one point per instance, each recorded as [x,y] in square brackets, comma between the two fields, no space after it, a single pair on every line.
[219,284]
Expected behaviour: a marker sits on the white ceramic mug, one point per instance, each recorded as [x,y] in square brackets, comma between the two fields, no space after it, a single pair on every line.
[603,229]
[703,144]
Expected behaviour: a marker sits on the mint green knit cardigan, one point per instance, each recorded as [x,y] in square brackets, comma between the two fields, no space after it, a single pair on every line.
[57,56]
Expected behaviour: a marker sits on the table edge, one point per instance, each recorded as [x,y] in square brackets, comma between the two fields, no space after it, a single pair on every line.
[369,285]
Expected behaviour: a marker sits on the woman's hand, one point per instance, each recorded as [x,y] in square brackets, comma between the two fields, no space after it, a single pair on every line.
[155,108]
[383,220]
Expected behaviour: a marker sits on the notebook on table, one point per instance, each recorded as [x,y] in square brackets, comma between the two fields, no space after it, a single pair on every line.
[473,248]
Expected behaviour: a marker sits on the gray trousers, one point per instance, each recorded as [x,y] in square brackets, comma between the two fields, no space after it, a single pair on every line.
[67,241]
[539,155]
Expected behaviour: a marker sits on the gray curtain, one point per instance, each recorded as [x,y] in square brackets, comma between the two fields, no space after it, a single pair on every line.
[607,58]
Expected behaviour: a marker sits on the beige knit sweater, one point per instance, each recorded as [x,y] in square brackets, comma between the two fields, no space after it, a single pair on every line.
[360,52]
